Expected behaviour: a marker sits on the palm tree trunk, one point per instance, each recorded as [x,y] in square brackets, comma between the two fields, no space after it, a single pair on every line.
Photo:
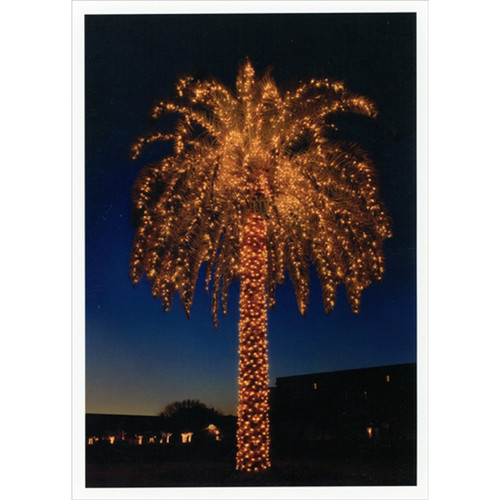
[253,408]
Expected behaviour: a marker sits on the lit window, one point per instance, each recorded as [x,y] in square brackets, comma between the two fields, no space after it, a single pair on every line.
[387,378]
[369,430]
[315,385]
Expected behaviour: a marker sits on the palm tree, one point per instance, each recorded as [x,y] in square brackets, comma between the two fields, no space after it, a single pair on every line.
[255,188]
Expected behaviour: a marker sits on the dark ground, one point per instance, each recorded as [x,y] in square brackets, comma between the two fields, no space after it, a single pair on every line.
[158,466]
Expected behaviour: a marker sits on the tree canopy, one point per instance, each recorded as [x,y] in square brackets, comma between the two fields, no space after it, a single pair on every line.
[191,413]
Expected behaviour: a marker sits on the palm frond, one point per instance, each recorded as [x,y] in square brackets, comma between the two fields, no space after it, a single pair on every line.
[258,147]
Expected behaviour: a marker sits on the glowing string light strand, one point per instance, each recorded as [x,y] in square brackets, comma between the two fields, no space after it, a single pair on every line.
[253,419]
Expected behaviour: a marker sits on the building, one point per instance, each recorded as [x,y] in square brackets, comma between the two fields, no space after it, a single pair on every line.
[354,406]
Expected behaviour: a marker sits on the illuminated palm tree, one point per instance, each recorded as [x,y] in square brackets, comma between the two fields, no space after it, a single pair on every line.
[254,188]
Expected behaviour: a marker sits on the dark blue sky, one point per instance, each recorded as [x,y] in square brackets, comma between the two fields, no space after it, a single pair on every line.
[139,358]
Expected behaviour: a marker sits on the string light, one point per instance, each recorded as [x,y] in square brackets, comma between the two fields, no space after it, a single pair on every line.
[253,419]
[254,189]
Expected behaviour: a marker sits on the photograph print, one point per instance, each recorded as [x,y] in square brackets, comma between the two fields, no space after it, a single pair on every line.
[250,205]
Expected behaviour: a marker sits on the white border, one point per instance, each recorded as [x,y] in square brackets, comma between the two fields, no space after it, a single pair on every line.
[422,249]
[78,248]
[79,9]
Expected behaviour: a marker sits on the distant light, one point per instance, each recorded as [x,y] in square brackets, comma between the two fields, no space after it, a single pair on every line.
[186,437]
[315,385]
[369,430]
[387,378]
[212,429]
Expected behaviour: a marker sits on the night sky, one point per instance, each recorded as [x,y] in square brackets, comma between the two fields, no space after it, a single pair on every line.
[138,357]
